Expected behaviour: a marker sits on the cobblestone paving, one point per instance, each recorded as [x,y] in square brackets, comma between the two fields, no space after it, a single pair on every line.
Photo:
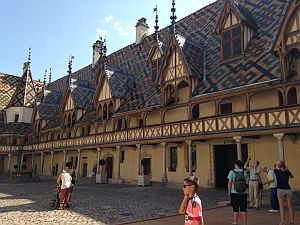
[29,203]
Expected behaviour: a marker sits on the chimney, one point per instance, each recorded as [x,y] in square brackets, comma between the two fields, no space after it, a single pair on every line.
[25,67]
[97,48]
[141,29]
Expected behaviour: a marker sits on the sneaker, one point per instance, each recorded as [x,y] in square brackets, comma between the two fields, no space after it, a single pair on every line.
[273,211]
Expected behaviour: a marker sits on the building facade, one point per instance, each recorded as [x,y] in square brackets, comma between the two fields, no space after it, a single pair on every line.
[220,84]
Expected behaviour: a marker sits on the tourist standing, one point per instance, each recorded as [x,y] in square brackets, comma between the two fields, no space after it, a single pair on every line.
[237,191]
[284,191]
[65,180]
[253,183]
[191,204]
[272,182]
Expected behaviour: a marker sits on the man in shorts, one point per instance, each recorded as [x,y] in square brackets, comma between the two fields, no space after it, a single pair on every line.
[237,191]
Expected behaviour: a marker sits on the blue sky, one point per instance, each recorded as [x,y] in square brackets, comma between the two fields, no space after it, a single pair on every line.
[57,28]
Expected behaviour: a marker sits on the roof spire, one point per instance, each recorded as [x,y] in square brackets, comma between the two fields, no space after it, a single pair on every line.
[173,18]
[45,75]
[104,51]
[70,68]
[156,27]
[50,74]
[29,56]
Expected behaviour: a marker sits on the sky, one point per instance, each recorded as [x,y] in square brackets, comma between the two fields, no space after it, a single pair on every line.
[55,29]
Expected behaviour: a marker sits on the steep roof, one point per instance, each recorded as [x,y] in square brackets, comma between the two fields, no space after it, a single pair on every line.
[255,65]
[16,128]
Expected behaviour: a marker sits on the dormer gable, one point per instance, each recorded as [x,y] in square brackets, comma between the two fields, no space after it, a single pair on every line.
[236,27]
[154,61]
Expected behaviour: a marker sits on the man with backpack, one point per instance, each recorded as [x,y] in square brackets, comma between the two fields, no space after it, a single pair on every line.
[237,191]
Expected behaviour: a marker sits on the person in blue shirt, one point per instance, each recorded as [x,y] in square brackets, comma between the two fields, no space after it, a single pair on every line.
[237,191]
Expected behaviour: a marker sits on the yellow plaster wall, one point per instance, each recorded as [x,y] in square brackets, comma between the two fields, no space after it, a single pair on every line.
[238,103]
[263,100]
[153,118]
[129,168]
[183,95]
[177,114]
[207,109]
[109,126]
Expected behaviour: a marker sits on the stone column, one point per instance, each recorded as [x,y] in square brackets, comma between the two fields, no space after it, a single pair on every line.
[98,159]
[189,144]
[238,141]
[32,162]
[139,153]
[21,162]
[51,163]
[164,176]
[8,163]
[78,163]
[41,163]
[279,138]
[119,162]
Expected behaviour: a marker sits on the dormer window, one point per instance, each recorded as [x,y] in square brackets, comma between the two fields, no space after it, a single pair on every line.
[155,64]
[232,42]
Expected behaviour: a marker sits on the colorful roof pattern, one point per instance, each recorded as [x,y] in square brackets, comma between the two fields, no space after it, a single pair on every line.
[8,85]
[25,91]
[16,128]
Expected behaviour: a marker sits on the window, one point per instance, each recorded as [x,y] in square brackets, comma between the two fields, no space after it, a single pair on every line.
[280,99]
[17,118]
[232,43]
[194,158]
[292,97]
[141,122]
[155,69]
[173,159]
[122,158]
[170,95]
[88,130]
[226,108]
[195,111]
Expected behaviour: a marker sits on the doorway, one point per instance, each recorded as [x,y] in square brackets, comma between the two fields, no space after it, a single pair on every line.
[147,166]
[109,167]
[84,169]
[225,156]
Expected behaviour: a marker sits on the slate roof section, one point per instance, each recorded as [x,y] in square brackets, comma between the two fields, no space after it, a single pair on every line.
[2,118]
[82,94]
[16,128]
[119,83]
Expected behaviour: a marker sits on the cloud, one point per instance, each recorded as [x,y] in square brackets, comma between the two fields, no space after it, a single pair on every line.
[102,32]
[109,19]
[124,30]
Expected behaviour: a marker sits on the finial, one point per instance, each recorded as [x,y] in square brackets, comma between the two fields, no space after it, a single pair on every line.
[173,17]
[70,68]
[45,75]
[156,27]
[29,55]
[50,74]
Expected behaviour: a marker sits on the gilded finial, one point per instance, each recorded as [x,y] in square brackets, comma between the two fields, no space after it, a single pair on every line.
[70,68]
[45,75]
[29,55]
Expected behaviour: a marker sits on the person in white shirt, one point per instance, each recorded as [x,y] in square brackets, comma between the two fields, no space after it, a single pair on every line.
[272,182]
[64,180]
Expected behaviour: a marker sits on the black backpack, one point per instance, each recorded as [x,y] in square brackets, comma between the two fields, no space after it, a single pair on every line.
[240,182]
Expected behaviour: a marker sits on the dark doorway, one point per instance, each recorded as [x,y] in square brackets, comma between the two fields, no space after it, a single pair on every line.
[84,170]
[225,156]
[147,166]
[109,167]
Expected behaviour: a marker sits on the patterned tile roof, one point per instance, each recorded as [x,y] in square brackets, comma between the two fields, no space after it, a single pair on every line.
[8,85]
[16,128]
[25,91]
[256,64]
[119,83]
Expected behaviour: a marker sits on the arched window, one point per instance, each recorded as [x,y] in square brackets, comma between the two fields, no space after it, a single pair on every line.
[99,112]
[105,111]
[280,98]
[170,95]
[195,111]
[110,110]
[292,97]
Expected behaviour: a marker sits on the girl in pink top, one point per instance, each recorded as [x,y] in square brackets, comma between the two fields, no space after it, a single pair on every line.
[191,204]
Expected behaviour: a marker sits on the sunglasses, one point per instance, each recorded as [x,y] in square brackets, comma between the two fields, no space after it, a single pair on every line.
[187,185]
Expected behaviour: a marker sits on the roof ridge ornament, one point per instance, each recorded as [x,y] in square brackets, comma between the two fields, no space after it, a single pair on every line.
[45,75]
[70,68]
[50,75]
[173,18]
[156,27]
[29,56]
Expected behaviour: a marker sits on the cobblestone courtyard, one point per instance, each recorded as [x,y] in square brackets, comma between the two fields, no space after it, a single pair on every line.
[29,203]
